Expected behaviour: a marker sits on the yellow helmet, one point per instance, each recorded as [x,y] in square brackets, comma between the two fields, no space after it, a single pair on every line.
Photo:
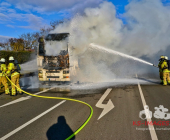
[162,57]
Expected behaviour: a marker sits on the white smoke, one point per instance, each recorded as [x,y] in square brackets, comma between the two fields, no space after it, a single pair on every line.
[30,66]
[31,81]
[145,34]
[54,47]
[98,25]
[148,32]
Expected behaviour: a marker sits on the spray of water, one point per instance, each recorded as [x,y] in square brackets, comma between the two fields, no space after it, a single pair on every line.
[118,53]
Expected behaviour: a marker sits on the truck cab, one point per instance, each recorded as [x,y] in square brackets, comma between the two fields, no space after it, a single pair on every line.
[53,64]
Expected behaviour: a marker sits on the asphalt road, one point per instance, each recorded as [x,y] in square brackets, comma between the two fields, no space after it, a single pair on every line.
[120,122]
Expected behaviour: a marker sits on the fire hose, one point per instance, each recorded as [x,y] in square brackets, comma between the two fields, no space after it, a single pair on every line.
[155,66]
[48,97]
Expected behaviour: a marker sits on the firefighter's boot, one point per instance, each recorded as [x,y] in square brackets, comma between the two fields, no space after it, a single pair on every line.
[19,92]
[13,92]
[7,91]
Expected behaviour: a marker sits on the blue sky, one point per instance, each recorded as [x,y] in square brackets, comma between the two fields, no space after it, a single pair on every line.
[22,16]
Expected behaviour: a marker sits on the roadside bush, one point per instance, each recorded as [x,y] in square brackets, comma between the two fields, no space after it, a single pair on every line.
[21,56]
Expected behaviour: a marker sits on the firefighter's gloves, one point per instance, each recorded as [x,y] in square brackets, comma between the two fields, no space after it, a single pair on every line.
[8,73]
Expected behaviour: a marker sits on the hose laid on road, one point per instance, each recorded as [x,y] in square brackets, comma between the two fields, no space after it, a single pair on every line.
[48,97]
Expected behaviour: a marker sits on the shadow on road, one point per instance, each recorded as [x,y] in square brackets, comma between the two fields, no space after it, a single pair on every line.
[60,130]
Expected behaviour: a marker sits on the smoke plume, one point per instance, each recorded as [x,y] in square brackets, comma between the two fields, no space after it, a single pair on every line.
[144,35]
[54,47]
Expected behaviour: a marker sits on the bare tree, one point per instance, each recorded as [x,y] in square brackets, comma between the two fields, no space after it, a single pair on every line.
[5,46]
[29,40]
[44,31]
[55,23]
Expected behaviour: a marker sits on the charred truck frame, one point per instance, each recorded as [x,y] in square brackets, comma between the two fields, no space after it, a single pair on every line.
[53,68]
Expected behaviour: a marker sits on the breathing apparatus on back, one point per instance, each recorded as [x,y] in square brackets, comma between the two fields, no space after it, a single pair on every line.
[18,68]
[168,62]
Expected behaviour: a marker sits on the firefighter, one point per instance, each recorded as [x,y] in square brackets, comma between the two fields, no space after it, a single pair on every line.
[13,69]
[164,67]
[160,70]
[3,78]
[41,46]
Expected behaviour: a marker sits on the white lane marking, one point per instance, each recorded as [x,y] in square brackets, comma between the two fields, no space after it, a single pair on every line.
[16,101]
[24,98]
[151,127]
[31,121]
[44,91]
[106,107]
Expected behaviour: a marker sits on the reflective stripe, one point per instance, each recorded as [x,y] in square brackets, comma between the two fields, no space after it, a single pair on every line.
[7,90]
[13,91]
[2,74]
[166,70]
[15,73]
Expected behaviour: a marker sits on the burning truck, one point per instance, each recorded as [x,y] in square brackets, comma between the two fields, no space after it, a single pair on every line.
[53,68]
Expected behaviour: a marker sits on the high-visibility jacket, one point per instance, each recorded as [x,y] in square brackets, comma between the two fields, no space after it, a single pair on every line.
[3,70]
[159,65]
[164,66]
[12,69]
